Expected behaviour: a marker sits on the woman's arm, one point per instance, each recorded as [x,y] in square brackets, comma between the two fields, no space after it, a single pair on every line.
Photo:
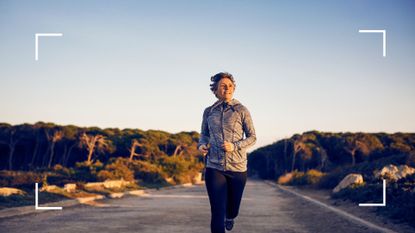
[249,130]
[204,133]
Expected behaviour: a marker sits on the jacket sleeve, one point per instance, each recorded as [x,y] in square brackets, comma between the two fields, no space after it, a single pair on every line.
[204,133]
[249,130]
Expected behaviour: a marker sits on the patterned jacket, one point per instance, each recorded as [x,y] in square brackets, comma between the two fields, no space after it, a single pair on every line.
[227,122]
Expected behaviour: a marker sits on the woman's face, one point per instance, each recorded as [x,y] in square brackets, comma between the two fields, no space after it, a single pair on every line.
[225,90]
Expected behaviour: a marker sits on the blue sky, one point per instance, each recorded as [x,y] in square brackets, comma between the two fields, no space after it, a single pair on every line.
[299,65]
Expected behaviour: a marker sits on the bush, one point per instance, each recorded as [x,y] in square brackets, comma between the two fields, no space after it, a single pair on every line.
[63,171]
[85,172]
[410,159]
[400,199]
[60,175]
[363,193]
[333,178]
[20,179]
[293,178]
[180,169]
[285,179]
[116,170]
[310,177]
[314,176]
[148,172]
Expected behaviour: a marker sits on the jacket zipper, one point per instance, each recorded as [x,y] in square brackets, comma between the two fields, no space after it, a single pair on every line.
[223,137]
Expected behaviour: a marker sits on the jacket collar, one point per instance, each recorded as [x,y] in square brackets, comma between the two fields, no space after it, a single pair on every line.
[233,102]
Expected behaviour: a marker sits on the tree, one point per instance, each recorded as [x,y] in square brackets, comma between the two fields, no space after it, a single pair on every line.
[11,139]
[176,152]
[323,158]
[57,136]
[134,145]
[92,143]
[298,146]
[70,140]
[351,145]
[37,133]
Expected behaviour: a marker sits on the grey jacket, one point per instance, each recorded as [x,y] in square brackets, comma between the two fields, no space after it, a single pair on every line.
[227,123]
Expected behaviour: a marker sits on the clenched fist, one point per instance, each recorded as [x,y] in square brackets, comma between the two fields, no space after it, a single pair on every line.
[228,146]
[203,149]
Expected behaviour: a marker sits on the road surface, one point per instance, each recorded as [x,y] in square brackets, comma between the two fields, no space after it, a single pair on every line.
[264,209]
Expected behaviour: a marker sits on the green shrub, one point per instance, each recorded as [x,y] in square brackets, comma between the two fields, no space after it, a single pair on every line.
[293,178]
[174,165]
[410,159]
[333,178]
[180,169]
[148,172]
[400,197]
[20,179]
[116,170]
[60,175]
[285,179]
[314,176]
[85,172]
[63,171]
[363,193]
[310,177]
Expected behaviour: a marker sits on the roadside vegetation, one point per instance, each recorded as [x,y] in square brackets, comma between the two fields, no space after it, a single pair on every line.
[320,160]
[55,156]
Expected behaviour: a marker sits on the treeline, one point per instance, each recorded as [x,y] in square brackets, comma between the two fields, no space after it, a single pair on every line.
[326,151]
[43,145]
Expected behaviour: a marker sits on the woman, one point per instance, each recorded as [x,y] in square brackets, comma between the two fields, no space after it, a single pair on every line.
[222,139]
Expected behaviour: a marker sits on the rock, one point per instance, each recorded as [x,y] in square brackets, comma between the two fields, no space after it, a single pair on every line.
[349,180]
[70,188]
[170,180]
[116,195]
[5,191]
[197,179]
[94,185]
[394,173]
[49,188]
[89,199]
[107,184]
[137,192]
[116,183]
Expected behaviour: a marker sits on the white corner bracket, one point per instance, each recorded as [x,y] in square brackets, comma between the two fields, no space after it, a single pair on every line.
[378,204]
[37,35]
[384,37]
[37,207]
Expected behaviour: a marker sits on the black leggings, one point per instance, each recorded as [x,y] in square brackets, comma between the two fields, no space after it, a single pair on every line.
[225,190]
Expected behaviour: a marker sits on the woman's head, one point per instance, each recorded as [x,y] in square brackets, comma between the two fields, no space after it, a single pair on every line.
[223,86]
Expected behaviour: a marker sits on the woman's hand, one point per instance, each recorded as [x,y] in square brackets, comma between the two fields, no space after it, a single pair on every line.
[228,146]
[203,149]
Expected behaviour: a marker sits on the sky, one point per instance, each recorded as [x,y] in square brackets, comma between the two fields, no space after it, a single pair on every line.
[298,65]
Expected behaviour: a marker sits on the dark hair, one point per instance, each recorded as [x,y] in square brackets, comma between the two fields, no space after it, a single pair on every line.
[217,77]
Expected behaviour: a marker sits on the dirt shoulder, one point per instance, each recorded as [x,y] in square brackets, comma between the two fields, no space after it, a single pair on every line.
[367,213]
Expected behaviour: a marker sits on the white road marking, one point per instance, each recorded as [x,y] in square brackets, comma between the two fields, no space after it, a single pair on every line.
[335,210]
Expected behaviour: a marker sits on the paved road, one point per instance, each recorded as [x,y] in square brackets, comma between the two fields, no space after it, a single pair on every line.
[264,209]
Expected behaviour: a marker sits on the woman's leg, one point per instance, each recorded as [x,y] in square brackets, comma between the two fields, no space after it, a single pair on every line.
[216,187]
[236,184]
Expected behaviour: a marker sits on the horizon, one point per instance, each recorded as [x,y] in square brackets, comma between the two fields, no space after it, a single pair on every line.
[255,147]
